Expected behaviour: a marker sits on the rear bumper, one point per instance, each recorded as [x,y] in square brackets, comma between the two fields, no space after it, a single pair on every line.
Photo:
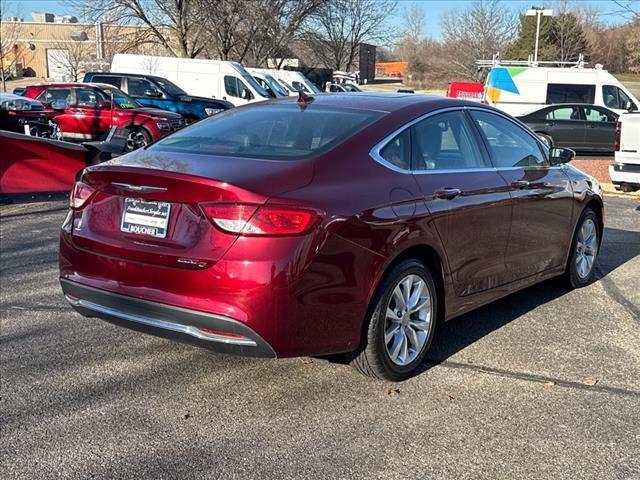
[624,173]
[168,321]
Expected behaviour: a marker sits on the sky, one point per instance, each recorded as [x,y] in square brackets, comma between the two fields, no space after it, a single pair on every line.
[433,9]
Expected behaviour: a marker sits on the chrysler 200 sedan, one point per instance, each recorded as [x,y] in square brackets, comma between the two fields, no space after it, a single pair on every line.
[336,224]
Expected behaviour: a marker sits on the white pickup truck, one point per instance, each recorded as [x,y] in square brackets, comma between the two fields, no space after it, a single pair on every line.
[625,171]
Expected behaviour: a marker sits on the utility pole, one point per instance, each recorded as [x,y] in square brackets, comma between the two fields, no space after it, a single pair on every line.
[538,13]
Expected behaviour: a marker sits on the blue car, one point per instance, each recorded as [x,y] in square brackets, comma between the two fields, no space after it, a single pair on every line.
[158,92]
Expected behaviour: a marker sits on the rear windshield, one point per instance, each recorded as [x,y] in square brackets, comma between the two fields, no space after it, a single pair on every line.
[274,132]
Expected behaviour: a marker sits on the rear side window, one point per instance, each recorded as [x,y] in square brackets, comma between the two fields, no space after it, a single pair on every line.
[595,114]
[398,151]
[570,93]
[275,132]
[563,113]
[51,94]
[510,145]
[108,79]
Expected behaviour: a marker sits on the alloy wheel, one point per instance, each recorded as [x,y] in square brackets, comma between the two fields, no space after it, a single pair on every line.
[586,248]
[135,140]
[408,320]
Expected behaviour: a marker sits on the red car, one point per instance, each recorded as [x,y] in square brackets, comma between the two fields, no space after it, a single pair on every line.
[334,224]
[86,111]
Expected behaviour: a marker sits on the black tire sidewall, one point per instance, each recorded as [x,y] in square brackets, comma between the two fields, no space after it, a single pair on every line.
[407,267]
[573,278]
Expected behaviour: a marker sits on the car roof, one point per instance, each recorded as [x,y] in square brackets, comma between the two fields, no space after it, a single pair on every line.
[379,101]
[72,85]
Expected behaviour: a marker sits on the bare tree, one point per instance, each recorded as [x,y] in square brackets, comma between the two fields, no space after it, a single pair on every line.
[175,24]
[256,30]
[483,29]
[10,49]
[567,32]
[71,57]
[413,20]
[334,32]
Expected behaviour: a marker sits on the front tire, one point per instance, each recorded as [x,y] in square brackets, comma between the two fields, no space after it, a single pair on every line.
[400,323]
[584,250]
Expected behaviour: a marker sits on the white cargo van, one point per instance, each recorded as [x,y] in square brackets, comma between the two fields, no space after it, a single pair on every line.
[198,77]
[625,171]
[292,80]
[520,89]
[274,88]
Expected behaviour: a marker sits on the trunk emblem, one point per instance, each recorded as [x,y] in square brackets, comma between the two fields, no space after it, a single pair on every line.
[138,188]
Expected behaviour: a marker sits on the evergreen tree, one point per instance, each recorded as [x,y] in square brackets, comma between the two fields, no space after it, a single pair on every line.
[526,43]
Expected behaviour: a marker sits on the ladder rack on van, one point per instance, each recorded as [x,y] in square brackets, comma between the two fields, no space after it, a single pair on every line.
[496,61]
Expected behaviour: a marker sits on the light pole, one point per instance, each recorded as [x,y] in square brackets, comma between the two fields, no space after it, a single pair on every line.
[538,12]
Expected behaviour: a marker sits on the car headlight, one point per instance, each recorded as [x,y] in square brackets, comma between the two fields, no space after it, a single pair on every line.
[16,105]
[164,126]
[212,111]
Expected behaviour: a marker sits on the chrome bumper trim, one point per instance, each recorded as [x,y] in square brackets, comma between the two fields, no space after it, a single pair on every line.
[174,327]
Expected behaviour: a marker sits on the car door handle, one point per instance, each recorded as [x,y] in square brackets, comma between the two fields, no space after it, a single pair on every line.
[448,193]
[592,126]
[549,124]
[520,184]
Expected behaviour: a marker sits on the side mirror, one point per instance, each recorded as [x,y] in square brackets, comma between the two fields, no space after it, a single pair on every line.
[104,105]
[559,155]
[631,107]
[246,94]
[59,104]
[152,92]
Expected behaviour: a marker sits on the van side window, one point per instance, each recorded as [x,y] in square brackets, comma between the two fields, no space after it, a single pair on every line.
[614,97]
[569,93]
[108,79]
[234,86]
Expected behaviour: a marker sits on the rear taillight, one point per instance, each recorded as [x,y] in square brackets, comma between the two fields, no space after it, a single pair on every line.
[267,220]
[80,194]
[617,141]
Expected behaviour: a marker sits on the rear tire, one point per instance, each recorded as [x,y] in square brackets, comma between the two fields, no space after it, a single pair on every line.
[400,323]
[584,250]
[138,137]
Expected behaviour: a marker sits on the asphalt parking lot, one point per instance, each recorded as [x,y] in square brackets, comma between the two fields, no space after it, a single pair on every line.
[542,384]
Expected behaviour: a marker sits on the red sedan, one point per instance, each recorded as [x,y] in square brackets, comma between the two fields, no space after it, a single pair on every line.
[86,112]
[338,224]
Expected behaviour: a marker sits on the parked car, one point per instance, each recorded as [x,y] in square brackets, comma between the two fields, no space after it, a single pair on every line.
[625,171]
[158,92]
[518,89]
[16,112]
[197,76]
[249,233]
[342,88]
[581,127]
[85,111]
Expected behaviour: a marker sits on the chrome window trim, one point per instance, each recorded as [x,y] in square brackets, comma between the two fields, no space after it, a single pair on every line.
[374,153]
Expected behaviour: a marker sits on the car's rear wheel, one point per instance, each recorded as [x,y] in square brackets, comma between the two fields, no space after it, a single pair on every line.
[584,250]
[138,137]
[400,323]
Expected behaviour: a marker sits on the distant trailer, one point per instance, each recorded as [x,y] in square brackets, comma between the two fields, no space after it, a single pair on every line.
[391,69]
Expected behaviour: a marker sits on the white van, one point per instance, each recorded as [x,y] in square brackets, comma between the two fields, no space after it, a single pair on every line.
[292,80]
[274,88]
[521,89]
[198,77]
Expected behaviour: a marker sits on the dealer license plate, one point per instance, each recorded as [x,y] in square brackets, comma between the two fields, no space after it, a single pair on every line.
[143,217]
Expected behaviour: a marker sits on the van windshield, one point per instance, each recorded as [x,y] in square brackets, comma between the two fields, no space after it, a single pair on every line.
[273,83]
[255,85]
[273,132]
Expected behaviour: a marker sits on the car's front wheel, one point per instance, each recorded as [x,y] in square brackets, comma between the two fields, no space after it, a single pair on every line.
[138,137]
[400,324]
[584,250]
